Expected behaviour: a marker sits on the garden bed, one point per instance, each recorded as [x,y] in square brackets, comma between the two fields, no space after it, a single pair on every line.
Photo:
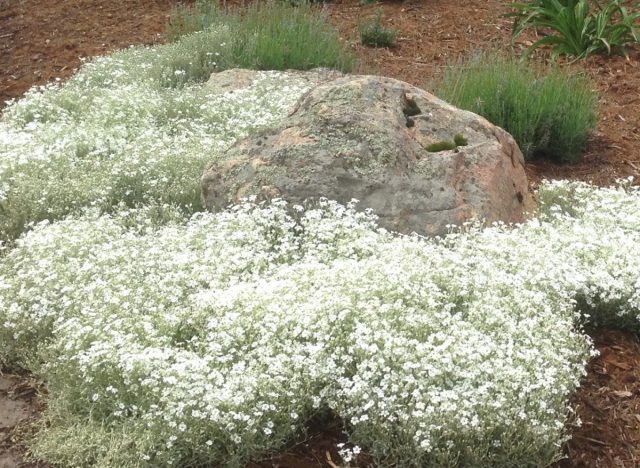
[431,34]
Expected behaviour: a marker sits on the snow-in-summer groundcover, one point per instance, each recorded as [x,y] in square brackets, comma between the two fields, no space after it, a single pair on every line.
[168,336]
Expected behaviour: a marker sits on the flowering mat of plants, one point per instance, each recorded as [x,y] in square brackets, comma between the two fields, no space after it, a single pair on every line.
[497,305]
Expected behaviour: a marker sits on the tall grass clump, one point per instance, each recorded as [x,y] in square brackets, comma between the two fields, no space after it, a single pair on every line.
[549,111]
[270,35]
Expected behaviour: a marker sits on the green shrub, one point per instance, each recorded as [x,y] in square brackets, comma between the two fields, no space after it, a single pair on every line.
[580,27]
[276,36]
[268,36]
[374,33]
[549,112]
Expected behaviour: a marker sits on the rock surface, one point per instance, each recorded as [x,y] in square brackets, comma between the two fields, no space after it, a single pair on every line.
[236,79]
[366,137]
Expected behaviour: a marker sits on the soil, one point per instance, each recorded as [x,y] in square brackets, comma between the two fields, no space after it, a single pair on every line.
[608,403]
[41,41]
[19,405]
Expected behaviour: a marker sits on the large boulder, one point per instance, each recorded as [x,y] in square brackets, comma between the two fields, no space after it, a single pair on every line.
[379,140]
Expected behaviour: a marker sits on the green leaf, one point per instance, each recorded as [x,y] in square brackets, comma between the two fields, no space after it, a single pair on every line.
[578,27]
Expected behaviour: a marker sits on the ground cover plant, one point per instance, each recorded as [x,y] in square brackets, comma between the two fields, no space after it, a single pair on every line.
[169,338]
[457,27]
[578,27]
[99,141]
[549,112]
[168,341]
[139,125]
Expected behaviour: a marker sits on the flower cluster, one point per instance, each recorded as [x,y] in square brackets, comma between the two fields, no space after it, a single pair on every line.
[118,132]
[169,341]
[171,337]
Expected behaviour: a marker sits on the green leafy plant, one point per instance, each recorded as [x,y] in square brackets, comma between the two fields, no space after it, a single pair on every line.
[374,33]
[277,36]
[549,111]
[578,27]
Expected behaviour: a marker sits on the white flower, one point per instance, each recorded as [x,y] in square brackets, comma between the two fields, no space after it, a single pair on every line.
[245,323]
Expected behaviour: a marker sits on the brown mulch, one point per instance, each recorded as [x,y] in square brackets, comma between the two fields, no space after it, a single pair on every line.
[609,406]
[44,40]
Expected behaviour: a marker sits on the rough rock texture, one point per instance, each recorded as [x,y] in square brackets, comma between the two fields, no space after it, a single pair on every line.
[366,137]
[240,78]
